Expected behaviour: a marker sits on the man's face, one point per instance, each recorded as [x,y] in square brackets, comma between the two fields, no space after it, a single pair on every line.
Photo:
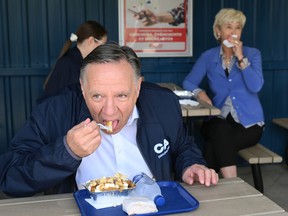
[110,91]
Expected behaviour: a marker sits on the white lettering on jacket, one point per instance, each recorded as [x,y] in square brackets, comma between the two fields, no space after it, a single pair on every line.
[162,148]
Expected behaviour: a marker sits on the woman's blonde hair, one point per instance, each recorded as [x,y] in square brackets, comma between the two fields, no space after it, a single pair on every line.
[228,15]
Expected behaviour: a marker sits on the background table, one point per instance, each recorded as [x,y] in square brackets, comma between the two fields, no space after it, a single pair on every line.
[283,123]
[202,109]
[230,197]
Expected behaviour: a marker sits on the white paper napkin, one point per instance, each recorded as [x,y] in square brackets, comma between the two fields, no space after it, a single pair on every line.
[188,102]
[138,205]
[105,202]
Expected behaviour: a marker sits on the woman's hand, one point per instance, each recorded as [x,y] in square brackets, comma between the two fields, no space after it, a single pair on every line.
[237,48]
[202,96]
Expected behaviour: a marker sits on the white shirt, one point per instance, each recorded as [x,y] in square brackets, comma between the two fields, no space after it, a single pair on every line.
[116,153]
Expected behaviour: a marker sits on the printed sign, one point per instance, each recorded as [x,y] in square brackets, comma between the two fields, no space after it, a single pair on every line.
[156,28]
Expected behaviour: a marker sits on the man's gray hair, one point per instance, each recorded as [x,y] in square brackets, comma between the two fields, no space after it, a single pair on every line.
[109,53]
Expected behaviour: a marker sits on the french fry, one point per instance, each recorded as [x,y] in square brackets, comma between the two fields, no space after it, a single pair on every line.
[118,182]
[109,124]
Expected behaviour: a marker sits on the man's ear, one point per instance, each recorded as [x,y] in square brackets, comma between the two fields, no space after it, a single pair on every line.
[139,85]
[82,87]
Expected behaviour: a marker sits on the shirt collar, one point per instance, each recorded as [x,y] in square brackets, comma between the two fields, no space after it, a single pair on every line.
[221,54]
[221,51]
[134,115]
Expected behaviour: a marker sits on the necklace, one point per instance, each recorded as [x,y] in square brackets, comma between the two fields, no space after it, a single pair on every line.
[227,62]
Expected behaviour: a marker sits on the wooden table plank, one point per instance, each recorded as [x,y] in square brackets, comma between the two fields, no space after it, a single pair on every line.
[237,206]
[225,189]
[239,195]
[230,197]
[170,86]
[184,111]
[203,109]
[62,204]
[282,122]
[198,110]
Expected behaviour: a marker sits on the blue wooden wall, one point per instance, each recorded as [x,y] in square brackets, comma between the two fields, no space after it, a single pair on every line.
[32,33]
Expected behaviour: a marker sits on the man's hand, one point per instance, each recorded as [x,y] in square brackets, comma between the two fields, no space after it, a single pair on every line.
[200,173]
[84,138]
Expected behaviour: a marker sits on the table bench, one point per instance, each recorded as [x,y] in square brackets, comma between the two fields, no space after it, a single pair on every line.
[283,123]
[255,156]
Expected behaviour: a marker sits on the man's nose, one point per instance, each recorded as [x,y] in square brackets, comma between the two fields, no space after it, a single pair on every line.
[109,107]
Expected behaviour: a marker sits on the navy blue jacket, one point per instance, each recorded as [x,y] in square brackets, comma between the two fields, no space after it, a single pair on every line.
[65,72]
[39,160]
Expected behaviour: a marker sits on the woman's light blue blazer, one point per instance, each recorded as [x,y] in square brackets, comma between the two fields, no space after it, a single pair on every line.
[242,85]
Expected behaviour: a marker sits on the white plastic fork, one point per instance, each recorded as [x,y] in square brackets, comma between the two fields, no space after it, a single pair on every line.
[108,128]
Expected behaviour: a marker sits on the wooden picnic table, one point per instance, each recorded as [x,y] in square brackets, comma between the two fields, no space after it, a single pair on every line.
[283,123]
[202,109]
[230,197]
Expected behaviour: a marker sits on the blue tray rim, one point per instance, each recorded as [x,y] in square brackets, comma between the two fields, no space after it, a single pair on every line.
[81,195]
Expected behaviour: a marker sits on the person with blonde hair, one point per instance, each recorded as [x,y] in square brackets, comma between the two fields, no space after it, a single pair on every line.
[66,71]
[235,77]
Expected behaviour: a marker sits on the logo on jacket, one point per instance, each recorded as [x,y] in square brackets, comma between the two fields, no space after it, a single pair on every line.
[162,148]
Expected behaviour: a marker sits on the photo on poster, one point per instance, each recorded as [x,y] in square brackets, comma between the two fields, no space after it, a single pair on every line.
[156,28]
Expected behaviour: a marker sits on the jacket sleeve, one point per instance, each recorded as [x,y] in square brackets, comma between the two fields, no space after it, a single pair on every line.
[161,122]
[65,72]
[37,160]
[196,75]
[184,150]
[253,75]
[187,152]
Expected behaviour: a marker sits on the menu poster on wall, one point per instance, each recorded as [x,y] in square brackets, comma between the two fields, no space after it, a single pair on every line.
[156,28]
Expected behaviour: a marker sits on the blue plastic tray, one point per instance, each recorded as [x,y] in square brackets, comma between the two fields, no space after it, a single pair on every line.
[177,200]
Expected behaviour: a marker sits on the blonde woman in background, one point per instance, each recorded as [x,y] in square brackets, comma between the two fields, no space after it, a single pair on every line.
[234,74]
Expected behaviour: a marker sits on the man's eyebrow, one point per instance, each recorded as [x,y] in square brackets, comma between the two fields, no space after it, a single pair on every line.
[124,92]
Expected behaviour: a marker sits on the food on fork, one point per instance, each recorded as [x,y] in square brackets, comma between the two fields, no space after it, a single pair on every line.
[109,125]
[118,182]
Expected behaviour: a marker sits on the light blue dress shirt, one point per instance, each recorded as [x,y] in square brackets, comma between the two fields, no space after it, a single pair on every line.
[116,153]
